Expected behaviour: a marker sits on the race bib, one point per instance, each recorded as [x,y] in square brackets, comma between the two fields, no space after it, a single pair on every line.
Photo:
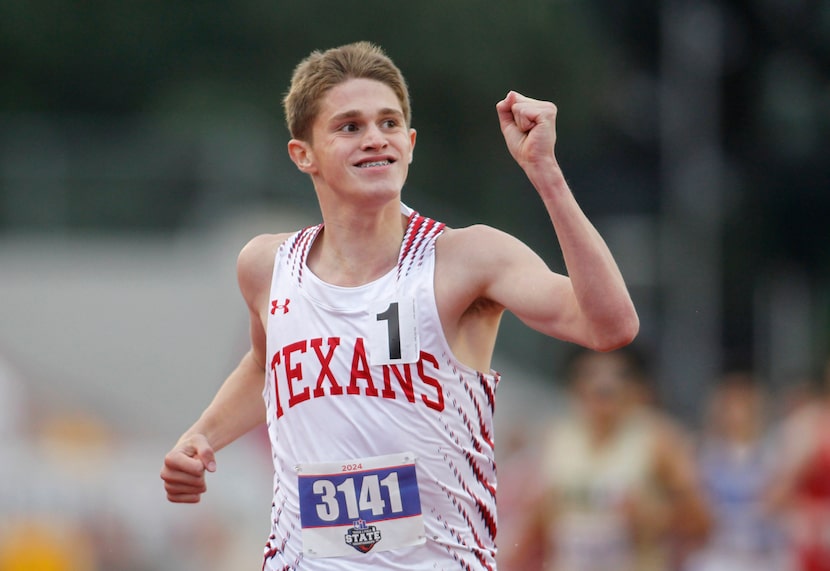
[353,507]
[393,332]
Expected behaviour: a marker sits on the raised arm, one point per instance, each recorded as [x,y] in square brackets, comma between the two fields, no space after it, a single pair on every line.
[238,406]
[591,306]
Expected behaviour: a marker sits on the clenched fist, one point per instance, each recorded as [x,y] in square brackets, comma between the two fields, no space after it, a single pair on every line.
[184,469]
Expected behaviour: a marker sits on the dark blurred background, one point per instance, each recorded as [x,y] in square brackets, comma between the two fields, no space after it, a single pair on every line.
[694,134]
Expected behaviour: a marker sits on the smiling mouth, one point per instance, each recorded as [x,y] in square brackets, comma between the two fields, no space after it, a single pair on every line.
[370,164]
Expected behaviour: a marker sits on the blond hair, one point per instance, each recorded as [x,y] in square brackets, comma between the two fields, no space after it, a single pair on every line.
[321,71]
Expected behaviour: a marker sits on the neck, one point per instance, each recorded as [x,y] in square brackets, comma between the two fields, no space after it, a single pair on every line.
[357,244]
[601,433]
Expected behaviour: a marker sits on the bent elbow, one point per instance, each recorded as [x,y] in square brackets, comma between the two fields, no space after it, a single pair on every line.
[619,333]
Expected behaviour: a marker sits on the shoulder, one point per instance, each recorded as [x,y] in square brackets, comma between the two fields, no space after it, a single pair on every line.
[464,260]
[255,263]
[472,236]
[478,243]
[800,430]
[262,245]
[669,435]
[491,261]
[260,250]
[673,449]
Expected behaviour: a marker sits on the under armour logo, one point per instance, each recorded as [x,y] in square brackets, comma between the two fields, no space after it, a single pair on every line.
[275,305]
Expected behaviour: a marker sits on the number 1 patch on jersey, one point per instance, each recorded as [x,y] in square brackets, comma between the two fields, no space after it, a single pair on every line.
[393,332]
[352,507]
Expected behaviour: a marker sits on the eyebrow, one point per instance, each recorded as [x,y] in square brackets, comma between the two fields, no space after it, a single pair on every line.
[354,113]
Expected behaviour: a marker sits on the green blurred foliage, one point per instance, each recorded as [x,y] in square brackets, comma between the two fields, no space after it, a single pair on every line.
[200,60]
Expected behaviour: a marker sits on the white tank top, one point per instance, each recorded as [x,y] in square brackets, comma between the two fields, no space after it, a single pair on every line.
[591,532]
[382,441]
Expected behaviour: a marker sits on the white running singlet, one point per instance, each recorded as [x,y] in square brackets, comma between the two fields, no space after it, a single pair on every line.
[382,441]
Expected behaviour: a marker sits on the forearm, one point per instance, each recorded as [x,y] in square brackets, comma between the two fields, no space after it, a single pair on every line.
[237,407]
[601,295]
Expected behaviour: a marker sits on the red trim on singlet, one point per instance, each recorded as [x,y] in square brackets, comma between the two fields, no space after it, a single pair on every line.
[814,483]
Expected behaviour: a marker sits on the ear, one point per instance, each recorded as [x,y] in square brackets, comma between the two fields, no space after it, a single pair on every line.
[412,136]
[302,156]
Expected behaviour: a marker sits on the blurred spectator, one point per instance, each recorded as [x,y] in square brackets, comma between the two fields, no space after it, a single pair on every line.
[519,485]
[618,477]
[734,460]
[801,491]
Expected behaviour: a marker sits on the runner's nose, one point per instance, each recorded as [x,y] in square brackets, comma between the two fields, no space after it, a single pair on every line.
[373,138]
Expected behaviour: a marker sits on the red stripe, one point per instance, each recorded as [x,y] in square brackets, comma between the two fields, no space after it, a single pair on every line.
[415,222]
[489,390]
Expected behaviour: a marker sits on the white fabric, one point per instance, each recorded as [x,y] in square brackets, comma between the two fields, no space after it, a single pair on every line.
[593,484]
[435,408]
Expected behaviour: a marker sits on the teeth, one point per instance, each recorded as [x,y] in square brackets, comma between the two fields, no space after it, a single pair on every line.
[374,164]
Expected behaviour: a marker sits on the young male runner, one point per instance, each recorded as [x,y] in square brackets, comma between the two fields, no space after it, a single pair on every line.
[374,330]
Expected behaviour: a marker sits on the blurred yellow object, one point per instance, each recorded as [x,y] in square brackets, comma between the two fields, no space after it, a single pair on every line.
[79,442]
[36,546]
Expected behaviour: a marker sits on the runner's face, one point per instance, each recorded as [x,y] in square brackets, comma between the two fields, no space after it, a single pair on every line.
[361,146]
[737,410]
[602,390]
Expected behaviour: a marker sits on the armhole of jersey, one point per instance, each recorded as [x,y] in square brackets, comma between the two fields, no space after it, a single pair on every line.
[436,316]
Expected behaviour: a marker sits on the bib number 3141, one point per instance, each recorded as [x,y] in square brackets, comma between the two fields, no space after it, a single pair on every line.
[356,506]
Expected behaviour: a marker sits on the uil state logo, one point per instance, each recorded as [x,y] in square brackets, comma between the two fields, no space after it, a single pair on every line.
[362,537]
